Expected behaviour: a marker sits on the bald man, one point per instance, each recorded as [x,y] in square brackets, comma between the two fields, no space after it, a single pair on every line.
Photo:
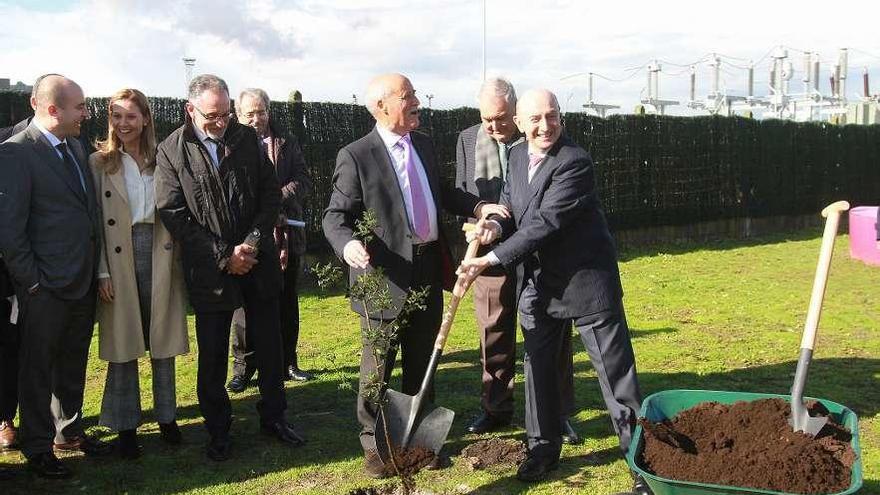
[566,265]
[393,171]
[49,238]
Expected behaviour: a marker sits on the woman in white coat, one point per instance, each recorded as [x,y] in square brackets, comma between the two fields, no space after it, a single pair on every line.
[141,306]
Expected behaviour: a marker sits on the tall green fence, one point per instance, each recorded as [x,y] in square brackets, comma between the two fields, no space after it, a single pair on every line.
[651,170]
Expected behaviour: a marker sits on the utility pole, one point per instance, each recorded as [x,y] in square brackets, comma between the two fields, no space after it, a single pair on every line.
[188,63]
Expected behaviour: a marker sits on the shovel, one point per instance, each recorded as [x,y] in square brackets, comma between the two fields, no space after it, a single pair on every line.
[800,419]
[405,421]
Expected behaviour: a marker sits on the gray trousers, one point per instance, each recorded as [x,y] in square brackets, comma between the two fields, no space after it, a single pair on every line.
[606,337]
[121,406]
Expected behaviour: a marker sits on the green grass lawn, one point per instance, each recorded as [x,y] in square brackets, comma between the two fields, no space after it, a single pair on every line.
[725,316]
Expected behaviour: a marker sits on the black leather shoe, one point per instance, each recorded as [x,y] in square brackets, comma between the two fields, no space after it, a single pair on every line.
[48,466]
[238,383]
[127,445]
[486,422]
[536,468]
[170,433]
[640,486]
[218,449]
[284,432]
[373,465]
[569,436]
[298,375]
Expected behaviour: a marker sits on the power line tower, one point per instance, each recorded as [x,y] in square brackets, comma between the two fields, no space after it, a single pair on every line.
[188,64]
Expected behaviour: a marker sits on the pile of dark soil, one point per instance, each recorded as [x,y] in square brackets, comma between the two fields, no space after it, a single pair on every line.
[750,445]
[493,452]
[409,461]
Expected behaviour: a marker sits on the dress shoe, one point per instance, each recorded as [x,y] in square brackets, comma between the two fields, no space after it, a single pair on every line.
[373,465]
[640,486]
[284,432]
[88,445]
[536,468]
[569,436]
[486,422]
[239,383]
[8,435]
[170,433]
[298,375]
[46,465]
[219,448]
[127,445]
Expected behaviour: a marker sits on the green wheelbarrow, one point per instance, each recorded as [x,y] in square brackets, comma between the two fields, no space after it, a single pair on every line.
[667,404]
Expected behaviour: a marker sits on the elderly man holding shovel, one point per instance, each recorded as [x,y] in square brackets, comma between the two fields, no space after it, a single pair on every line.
[566,265]
[392,171]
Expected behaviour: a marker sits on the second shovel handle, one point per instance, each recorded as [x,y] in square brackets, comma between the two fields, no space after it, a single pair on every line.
[832,218]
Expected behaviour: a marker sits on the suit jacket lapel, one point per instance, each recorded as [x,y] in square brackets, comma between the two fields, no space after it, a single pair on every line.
[49,156]
[428,165]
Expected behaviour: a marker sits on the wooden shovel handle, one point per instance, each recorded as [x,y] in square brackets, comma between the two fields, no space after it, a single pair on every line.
[461,287]
[832,218]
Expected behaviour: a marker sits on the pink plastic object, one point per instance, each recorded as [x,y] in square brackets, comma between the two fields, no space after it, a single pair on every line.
[863,234]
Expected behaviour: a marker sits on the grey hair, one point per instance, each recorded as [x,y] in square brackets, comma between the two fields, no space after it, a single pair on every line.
[499,88]
[254,93]
[205,82]
[375,93]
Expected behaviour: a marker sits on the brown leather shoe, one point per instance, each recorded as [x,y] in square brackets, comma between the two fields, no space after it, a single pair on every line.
[8,435]
[373,465]
[88,445]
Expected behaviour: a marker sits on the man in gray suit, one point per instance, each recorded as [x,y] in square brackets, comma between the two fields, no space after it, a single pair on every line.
[481,169]
[49,238]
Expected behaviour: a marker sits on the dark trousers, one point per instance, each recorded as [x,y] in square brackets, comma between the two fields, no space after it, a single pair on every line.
[606,337]
[212,332]
[54,350]
[495,307]
[243,353]
[416,345]
[9,339]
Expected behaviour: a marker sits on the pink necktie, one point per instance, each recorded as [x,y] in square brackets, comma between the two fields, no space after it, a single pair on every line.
[421,223]
[534,160]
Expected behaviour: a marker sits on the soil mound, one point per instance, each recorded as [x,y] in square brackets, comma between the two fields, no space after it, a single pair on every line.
[409,461]
[751,445]
[494,452]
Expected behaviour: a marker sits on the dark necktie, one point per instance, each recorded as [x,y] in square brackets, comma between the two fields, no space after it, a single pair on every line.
[221,149]
[72,166]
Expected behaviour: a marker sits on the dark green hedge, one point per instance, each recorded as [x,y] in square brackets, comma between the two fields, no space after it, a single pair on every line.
[651,170]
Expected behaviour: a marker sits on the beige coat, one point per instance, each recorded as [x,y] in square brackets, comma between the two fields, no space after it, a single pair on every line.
[120,336]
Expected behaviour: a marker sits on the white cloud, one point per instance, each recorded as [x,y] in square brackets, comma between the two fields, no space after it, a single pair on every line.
[330,49]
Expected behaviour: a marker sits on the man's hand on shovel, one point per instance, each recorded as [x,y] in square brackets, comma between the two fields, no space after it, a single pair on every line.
[485,231]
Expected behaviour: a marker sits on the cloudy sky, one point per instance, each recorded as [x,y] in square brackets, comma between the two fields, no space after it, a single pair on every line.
[330,49]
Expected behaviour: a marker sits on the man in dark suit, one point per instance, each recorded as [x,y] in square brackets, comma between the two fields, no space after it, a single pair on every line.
[481,169]
[567,271]
[219,197]
[50,239]
[393,172]
[290,167]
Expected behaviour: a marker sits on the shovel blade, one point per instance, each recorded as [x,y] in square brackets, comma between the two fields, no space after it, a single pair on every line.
[807,424]
[401,423]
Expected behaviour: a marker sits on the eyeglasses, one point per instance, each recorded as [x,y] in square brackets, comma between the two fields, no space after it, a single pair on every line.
[214,117]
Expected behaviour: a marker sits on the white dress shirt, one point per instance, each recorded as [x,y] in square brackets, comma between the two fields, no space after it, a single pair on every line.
[397,160]
[141,191]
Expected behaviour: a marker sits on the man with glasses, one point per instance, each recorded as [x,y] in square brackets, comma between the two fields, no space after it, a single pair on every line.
[290,167]
[219,197]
